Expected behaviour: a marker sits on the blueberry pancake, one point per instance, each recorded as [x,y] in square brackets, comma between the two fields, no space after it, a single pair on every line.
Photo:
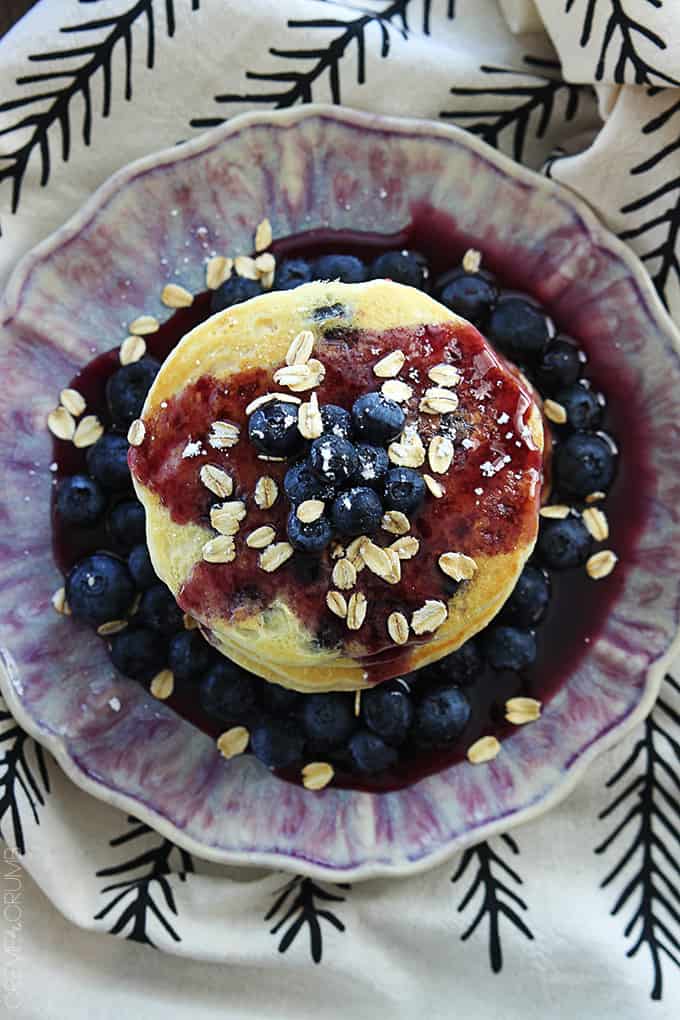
[341,481]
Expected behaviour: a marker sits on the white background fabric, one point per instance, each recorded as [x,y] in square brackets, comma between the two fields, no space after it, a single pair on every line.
[400,952]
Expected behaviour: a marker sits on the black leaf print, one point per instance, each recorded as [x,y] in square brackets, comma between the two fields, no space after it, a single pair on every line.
[57,88]
[649,865]
[531,105]
[140,898]
[297,900]
[498,899]
[318,62]
[661,205]
[626,31]
[23,777]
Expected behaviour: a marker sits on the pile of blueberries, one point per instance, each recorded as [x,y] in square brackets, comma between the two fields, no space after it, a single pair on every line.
[348,468]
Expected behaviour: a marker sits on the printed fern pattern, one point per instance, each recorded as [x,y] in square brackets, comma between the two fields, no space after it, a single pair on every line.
[24,780]
[498,900]
[646,813]
[140,900]
[60,87]
[297,904]
[323,62]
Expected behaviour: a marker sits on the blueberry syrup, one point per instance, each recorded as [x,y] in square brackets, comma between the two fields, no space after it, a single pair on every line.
[578,606]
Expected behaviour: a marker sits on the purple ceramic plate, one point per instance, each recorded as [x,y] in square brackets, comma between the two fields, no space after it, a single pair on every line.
[158,220]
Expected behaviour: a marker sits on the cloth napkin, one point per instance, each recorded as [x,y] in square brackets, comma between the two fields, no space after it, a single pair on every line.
[573,915]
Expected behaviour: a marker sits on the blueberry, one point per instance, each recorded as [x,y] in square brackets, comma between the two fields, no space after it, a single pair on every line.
[584,408]
[328,719]
[279,700]
[227,692]
[509,648]
[291,273]
[189,656]
[346,268]
[277,743]
[441,716]
[563,544]
[301,483]
[583,464]
[127,388]
[518,328]
[158,611]
[529,600]
[308,538]
[369,753]
[141,568]
[107,461]
[80,501]
[373,465]
[99,588]
[463,666]
[333,459]
[357,511]
[560,365]
[127,524]
[377,419]
[232,292]
[409,267]
[138,653]
[273,429]
[388,710]
[404,490]
[336,420]
[472,295]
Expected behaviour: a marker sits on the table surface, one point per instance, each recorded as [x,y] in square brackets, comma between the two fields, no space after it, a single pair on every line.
[11,11]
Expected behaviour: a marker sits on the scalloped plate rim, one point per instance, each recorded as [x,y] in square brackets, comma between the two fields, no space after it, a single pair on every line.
[57,745]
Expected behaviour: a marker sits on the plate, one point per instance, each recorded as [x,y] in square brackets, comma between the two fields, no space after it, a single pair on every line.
[158,220]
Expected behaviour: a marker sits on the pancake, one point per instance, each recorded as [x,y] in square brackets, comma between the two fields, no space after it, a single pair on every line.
[473,532]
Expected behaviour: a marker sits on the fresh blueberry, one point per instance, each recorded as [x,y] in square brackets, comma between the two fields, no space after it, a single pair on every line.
[127,524]
[273,429]
[509,648]
[333,459]
[308,538]
[301,483]
[80,501]
[277,743]
[373,465]
[463,666]
[404,490]
[138,653]
[388,710]
[518,328]
[471,295]
[99,589]
[346,268]
[409,267]
[233,291]
[563,544]
[583,464]
[107,461]
[290,273]
[189,656]
[127,388]
[584,408]
[529,600]
[158,611]
[441,716]
[328,719]
[560,365]
[141,568]
[377,419]
[279,700]
[357,511]
[369,753]
[227,692]
[336,420]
